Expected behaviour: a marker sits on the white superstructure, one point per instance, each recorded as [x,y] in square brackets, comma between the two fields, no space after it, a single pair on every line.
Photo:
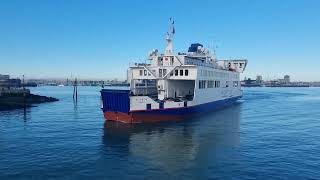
[184,79]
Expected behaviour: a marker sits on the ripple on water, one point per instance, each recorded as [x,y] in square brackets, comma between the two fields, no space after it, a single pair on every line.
[273,133]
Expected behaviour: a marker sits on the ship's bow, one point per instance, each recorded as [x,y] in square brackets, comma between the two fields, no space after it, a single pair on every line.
[116,105]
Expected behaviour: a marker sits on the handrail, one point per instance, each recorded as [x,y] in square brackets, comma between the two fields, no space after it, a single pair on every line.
[145,67]
[170,71]
[178,60]
[174,67]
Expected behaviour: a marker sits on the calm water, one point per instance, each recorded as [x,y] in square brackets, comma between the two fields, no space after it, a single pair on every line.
[272,133]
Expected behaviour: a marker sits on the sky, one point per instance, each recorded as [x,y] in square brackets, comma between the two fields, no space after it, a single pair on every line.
[93,39]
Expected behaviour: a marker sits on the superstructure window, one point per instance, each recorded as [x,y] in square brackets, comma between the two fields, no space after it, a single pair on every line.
[171,61]
[216,84]
[202,84]
[186,72]
[160,61]
[141,72]
[145,72]
[181,72]
[227,84]
[176,72]
[210,84]
[160,72]
[164,71]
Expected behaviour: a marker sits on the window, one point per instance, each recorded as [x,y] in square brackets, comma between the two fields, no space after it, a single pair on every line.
[202,84]
[176,72]
[227,84]
[210,84]
[145,72]
[186,72]
[181,72]
[141,72]
[160,72]
[171,61]
[216,84]
[164,71]
[235,83]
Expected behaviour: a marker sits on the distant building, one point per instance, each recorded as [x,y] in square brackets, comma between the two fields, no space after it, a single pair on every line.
[286,79]
[4,77]
[259,80]
[250,83]
[5,81]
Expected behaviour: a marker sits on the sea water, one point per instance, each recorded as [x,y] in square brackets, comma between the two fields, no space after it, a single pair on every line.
[271,133]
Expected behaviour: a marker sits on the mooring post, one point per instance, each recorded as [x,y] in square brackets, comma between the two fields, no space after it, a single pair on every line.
[24,92]
[75,90]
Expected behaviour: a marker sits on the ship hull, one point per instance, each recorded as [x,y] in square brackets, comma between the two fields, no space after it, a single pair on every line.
[171,114]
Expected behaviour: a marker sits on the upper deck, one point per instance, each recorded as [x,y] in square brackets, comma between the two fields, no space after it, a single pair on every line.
[170,75]
[169,66]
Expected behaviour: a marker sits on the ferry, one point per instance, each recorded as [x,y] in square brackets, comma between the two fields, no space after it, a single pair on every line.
[175,86]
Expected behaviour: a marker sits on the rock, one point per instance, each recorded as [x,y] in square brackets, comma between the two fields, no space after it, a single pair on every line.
[16,101]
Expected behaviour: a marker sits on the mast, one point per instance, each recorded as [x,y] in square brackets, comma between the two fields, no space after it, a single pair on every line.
[169,38]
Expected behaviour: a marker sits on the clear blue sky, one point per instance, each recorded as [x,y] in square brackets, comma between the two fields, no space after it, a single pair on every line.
[98,39]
